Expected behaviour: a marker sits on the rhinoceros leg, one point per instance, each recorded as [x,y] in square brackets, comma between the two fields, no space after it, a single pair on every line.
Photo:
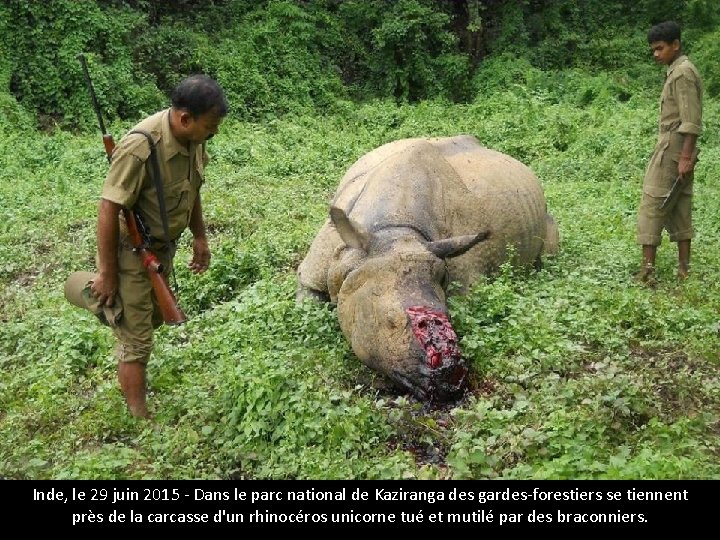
[552,237]
[305,293]
[551,242]
[313,270]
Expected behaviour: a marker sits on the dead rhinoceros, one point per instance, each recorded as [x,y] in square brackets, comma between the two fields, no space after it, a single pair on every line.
[407,219]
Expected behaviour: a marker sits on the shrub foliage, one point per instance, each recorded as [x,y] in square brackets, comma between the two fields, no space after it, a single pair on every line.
[284,56]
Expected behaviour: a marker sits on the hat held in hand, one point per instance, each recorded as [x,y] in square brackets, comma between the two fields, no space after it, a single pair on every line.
[78,293]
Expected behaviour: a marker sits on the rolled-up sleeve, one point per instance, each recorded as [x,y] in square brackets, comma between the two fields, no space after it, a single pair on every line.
[126,175]
[690,104]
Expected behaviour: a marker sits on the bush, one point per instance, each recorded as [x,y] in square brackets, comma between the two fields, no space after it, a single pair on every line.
[169,53]
[406,49]
[275,62]
[704,55]
[11,113]
[43,45]
[290,56]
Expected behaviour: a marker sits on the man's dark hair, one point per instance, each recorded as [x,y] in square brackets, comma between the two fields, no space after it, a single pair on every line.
[199,94]
[667,31]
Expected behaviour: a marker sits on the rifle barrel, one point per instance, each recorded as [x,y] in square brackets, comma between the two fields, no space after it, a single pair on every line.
[89,83]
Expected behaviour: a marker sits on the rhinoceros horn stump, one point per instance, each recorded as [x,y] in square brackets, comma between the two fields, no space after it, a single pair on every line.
[407,219]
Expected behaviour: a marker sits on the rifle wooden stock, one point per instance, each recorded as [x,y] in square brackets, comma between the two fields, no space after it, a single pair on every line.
[109,145]
[171,312]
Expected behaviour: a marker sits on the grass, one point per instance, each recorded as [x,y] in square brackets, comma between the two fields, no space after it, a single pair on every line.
[578,372]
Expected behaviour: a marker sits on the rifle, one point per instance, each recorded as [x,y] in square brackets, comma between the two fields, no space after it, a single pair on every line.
[171,312]
[677,184]
[673,190]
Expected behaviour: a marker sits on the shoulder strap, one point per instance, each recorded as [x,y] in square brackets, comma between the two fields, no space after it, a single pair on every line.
[157,180]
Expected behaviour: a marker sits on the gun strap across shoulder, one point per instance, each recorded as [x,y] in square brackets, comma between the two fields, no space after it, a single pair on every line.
[157,180]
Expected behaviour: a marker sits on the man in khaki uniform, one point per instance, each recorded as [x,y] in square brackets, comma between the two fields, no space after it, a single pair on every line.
[120,294]
[674,156]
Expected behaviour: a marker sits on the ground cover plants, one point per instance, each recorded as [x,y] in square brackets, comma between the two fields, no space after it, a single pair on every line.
[578,372]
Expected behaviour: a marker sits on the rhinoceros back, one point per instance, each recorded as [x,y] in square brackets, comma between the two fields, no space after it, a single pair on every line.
[511,204]
[466,189]
[406,183]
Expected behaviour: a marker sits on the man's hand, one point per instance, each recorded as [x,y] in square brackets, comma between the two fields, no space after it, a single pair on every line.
[201,255]
[104,288]
[685,166]
[688,156]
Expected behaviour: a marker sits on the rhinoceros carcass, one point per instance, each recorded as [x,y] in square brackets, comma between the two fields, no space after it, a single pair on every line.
[408,218]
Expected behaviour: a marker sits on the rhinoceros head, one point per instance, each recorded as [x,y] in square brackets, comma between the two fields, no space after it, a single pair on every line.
[390,290]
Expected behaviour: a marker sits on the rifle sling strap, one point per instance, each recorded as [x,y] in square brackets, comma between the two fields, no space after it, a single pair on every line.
[157,180]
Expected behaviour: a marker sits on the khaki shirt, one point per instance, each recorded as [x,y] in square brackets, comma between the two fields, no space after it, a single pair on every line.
[680,114]
[680,104]
[128,182]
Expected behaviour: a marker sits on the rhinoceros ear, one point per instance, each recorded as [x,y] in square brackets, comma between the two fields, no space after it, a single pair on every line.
[457,245]
[351,233]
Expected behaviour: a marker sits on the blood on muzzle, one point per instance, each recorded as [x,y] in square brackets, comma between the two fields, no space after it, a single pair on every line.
[436,336]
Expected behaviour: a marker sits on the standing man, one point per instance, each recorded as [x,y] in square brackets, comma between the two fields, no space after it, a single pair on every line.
[674,156]
[121,294]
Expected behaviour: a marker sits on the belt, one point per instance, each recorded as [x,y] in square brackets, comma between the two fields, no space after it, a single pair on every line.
[158,244]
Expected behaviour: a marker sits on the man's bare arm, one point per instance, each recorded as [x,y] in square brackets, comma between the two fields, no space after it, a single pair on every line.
[201,250]
[106,285]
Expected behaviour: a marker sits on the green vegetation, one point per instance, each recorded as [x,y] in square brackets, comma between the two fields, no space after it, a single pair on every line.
[578,372]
